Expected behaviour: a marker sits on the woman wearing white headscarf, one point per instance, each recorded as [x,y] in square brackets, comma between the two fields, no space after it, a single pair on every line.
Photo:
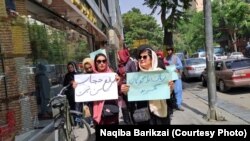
[148,61]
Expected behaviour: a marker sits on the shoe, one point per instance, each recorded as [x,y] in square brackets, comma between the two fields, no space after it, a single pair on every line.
[180,109]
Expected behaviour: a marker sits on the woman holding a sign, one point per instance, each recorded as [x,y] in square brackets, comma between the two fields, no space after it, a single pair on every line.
[157,109]
[104,111]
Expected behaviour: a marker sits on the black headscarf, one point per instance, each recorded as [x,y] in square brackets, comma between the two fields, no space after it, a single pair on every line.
[70,75]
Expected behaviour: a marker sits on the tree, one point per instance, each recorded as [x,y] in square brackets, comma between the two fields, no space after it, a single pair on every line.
[174,9]
[227,23]
[190,34]
[233,17]
[140,26]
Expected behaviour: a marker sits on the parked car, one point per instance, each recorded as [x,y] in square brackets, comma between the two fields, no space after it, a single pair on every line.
[236,55]
[199,55]
[219,56]
[217,50]
[193,67]
[230,73]
[202,55]
[180,55]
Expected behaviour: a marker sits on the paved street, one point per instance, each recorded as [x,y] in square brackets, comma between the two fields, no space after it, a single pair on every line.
[236,101]
[196,107]
[232,107]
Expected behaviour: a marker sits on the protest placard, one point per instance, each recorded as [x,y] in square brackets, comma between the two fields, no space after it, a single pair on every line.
[148,85]
[95,87]
[172,70]
[93,54]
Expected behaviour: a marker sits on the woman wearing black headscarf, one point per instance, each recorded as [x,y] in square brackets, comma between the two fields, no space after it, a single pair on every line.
[68,79]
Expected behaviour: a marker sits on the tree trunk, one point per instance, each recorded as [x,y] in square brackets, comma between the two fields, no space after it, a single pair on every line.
[168,38]
[234,38]
[168,35]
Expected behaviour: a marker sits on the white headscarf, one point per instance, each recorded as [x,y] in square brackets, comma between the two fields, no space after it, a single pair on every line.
[154,62]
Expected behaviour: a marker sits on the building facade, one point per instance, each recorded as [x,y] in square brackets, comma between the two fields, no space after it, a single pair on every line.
[96,22]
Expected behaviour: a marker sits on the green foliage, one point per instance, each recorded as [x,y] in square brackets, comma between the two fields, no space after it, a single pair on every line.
[232,16]
[171,13]
[81,51]
[140,26]
[190,35]
[54,46]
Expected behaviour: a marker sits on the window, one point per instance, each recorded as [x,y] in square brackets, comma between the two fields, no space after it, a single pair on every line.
[218,50]
[195,55]
[195,61]
[203,54]
[238,64]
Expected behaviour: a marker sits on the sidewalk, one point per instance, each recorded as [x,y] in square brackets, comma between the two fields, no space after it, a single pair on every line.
[195,107]
[196,110]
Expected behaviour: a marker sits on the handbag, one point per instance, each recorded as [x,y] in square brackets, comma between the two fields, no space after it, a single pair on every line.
[110,110]
[141,115]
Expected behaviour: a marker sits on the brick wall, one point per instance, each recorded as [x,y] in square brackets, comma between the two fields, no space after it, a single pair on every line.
[21,7]
[2,8]
[11,49]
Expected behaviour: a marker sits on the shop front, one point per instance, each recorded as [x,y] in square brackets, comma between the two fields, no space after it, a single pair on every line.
[36,36]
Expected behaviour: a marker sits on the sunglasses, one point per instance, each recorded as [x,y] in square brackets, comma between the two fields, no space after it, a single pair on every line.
[101,61]
[144,57]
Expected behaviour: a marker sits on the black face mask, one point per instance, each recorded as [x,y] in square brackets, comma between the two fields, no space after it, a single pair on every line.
[89,72]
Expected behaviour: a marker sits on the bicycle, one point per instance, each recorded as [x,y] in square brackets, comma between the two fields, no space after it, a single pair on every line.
[67,123]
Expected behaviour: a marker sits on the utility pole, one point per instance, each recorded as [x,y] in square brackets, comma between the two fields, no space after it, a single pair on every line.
[212,97]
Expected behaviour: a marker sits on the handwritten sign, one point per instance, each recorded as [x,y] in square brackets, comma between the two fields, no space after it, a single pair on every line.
[172,70]
[148,85]
[95,87]
[93,54]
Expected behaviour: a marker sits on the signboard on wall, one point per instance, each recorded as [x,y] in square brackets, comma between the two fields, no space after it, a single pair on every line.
[137,43]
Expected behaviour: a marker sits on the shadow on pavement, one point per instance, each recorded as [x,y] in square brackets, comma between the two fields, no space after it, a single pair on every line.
[194,110]
[239,90]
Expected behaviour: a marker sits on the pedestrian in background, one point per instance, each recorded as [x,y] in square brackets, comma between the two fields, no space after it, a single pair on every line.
[88,65]
[126,65]
[248,49]
[68,80]
[173,59]
[43,91]
[160,56]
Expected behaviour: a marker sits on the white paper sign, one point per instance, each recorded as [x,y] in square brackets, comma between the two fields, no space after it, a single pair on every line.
[93,54]
[95,87]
